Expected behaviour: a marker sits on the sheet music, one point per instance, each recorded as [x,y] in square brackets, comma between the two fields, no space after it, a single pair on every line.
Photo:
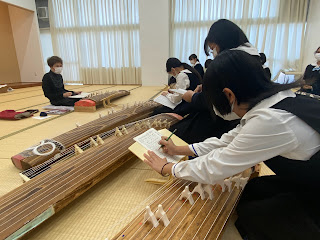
[81,95]
[150,140]
[165,101]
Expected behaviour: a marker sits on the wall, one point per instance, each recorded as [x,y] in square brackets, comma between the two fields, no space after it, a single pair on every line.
[9,69]
[312,41]
[27,42]
[46,45]
[154,41]
[26,4]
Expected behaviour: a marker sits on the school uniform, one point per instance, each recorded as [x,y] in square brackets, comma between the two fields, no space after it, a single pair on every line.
[284,131]
[185,80]
[53,89]
[312,78]
[200,124]
[199,68]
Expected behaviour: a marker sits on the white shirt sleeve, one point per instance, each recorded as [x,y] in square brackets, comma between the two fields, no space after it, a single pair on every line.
[174,97]
[261,138]
[182,81]
[209,144]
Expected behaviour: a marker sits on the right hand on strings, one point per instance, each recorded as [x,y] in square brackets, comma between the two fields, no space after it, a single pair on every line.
[168,146]
[67,94]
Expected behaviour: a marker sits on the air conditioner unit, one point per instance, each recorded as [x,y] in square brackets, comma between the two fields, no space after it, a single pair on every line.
[42,13]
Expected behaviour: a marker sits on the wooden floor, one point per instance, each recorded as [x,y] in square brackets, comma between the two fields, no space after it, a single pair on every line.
[96,214]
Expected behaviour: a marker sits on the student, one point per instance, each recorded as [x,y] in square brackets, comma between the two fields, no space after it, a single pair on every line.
[223,35]
[278,127]
[312,76]
[196,64]
[200,124]
[53,87]
[171,82]
[187,78]
[263,61]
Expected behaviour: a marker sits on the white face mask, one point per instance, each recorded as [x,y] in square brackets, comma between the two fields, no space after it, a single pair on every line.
[214,52]
[229,117]
[58,70]
[193,62]
[317,56]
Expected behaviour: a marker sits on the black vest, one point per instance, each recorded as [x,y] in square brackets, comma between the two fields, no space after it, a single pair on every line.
[302,173]
[194,81]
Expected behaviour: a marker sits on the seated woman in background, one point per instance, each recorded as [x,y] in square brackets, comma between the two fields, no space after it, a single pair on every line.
[187,78]
[312,76]
[207,63]
[53,87]
[196,64]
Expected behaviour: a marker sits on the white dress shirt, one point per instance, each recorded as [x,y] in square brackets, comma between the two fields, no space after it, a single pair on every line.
[263,133]
[182,82]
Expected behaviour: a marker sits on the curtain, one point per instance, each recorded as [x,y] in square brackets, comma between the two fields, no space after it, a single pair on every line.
[98,40]
[275,27]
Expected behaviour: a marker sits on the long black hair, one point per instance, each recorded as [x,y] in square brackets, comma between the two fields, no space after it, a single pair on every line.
[193,56]
[175,62]
[226,35]
[244,75]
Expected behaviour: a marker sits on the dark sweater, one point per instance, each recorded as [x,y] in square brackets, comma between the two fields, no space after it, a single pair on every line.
[199,68]
[53,87]
[312,78]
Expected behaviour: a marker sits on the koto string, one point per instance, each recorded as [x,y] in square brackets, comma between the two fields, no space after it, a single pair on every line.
[37,181]
[80,170]
[109,133]
[84,145]
[182,218]
[67,140]
[226,220]
[66,166]
[150,204]
[169,208]
[51,193]
[197,214]
[218,213]
[144,203]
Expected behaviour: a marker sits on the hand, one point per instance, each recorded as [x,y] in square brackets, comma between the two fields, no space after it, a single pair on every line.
[168,146]
[188,96]
[198,88]
[154,161]
[67,94]
[164,93]
[77,93]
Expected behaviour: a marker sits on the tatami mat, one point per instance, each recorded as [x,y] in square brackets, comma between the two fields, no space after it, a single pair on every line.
[95,214]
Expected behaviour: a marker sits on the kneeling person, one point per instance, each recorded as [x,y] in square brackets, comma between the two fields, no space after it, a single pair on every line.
[53,87]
